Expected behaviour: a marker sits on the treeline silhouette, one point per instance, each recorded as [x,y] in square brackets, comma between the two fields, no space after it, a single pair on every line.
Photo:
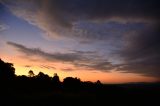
[41,81]
[43,90]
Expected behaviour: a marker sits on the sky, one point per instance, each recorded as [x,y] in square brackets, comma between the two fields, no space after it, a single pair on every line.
[114,41]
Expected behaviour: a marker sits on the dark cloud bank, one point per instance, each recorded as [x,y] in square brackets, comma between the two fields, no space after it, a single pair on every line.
[79,18]
[132,24]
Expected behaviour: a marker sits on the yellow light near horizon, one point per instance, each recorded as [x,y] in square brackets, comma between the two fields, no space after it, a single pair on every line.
[104,77]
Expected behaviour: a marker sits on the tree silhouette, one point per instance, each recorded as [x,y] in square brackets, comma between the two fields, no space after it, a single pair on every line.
[43,77]
[98,82]
[55,80]
[31,73]
[7,71]
[72,83]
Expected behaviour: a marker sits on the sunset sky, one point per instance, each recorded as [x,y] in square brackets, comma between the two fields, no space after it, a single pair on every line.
[114,41]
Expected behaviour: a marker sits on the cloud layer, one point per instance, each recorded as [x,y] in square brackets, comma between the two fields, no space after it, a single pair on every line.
[141,53]
[131,27]
[147,66]
[61,18]
[79,59]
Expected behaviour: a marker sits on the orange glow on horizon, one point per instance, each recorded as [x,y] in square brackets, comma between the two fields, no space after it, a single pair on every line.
[84,75]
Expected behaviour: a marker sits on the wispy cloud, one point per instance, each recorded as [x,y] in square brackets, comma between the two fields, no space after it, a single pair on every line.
[47,67]
[67,69]
[80,59]
[3,27]
[145,65]
[66,57]
[27,66]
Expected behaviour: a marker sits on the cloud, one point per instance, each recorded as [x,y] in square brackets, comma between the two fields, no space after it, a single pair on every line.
[80,59]
[98,64]
[67,57]
[47,67]
[41,66]
[2,27]
[144,64]
[141,52]
[67,69]
[83,9]
[27,66]
[81,18]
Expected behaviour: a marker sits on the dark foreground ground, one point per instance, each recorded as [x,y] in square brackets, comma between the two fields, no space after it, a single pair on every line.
[105,95]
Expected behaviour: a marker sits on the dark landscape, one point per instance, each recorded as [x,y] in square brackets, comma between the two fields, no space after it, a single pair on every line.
[42,90]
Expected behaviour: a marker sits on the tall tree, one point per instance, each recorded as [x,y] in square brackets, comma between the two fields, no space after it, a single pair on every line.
[7,71]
